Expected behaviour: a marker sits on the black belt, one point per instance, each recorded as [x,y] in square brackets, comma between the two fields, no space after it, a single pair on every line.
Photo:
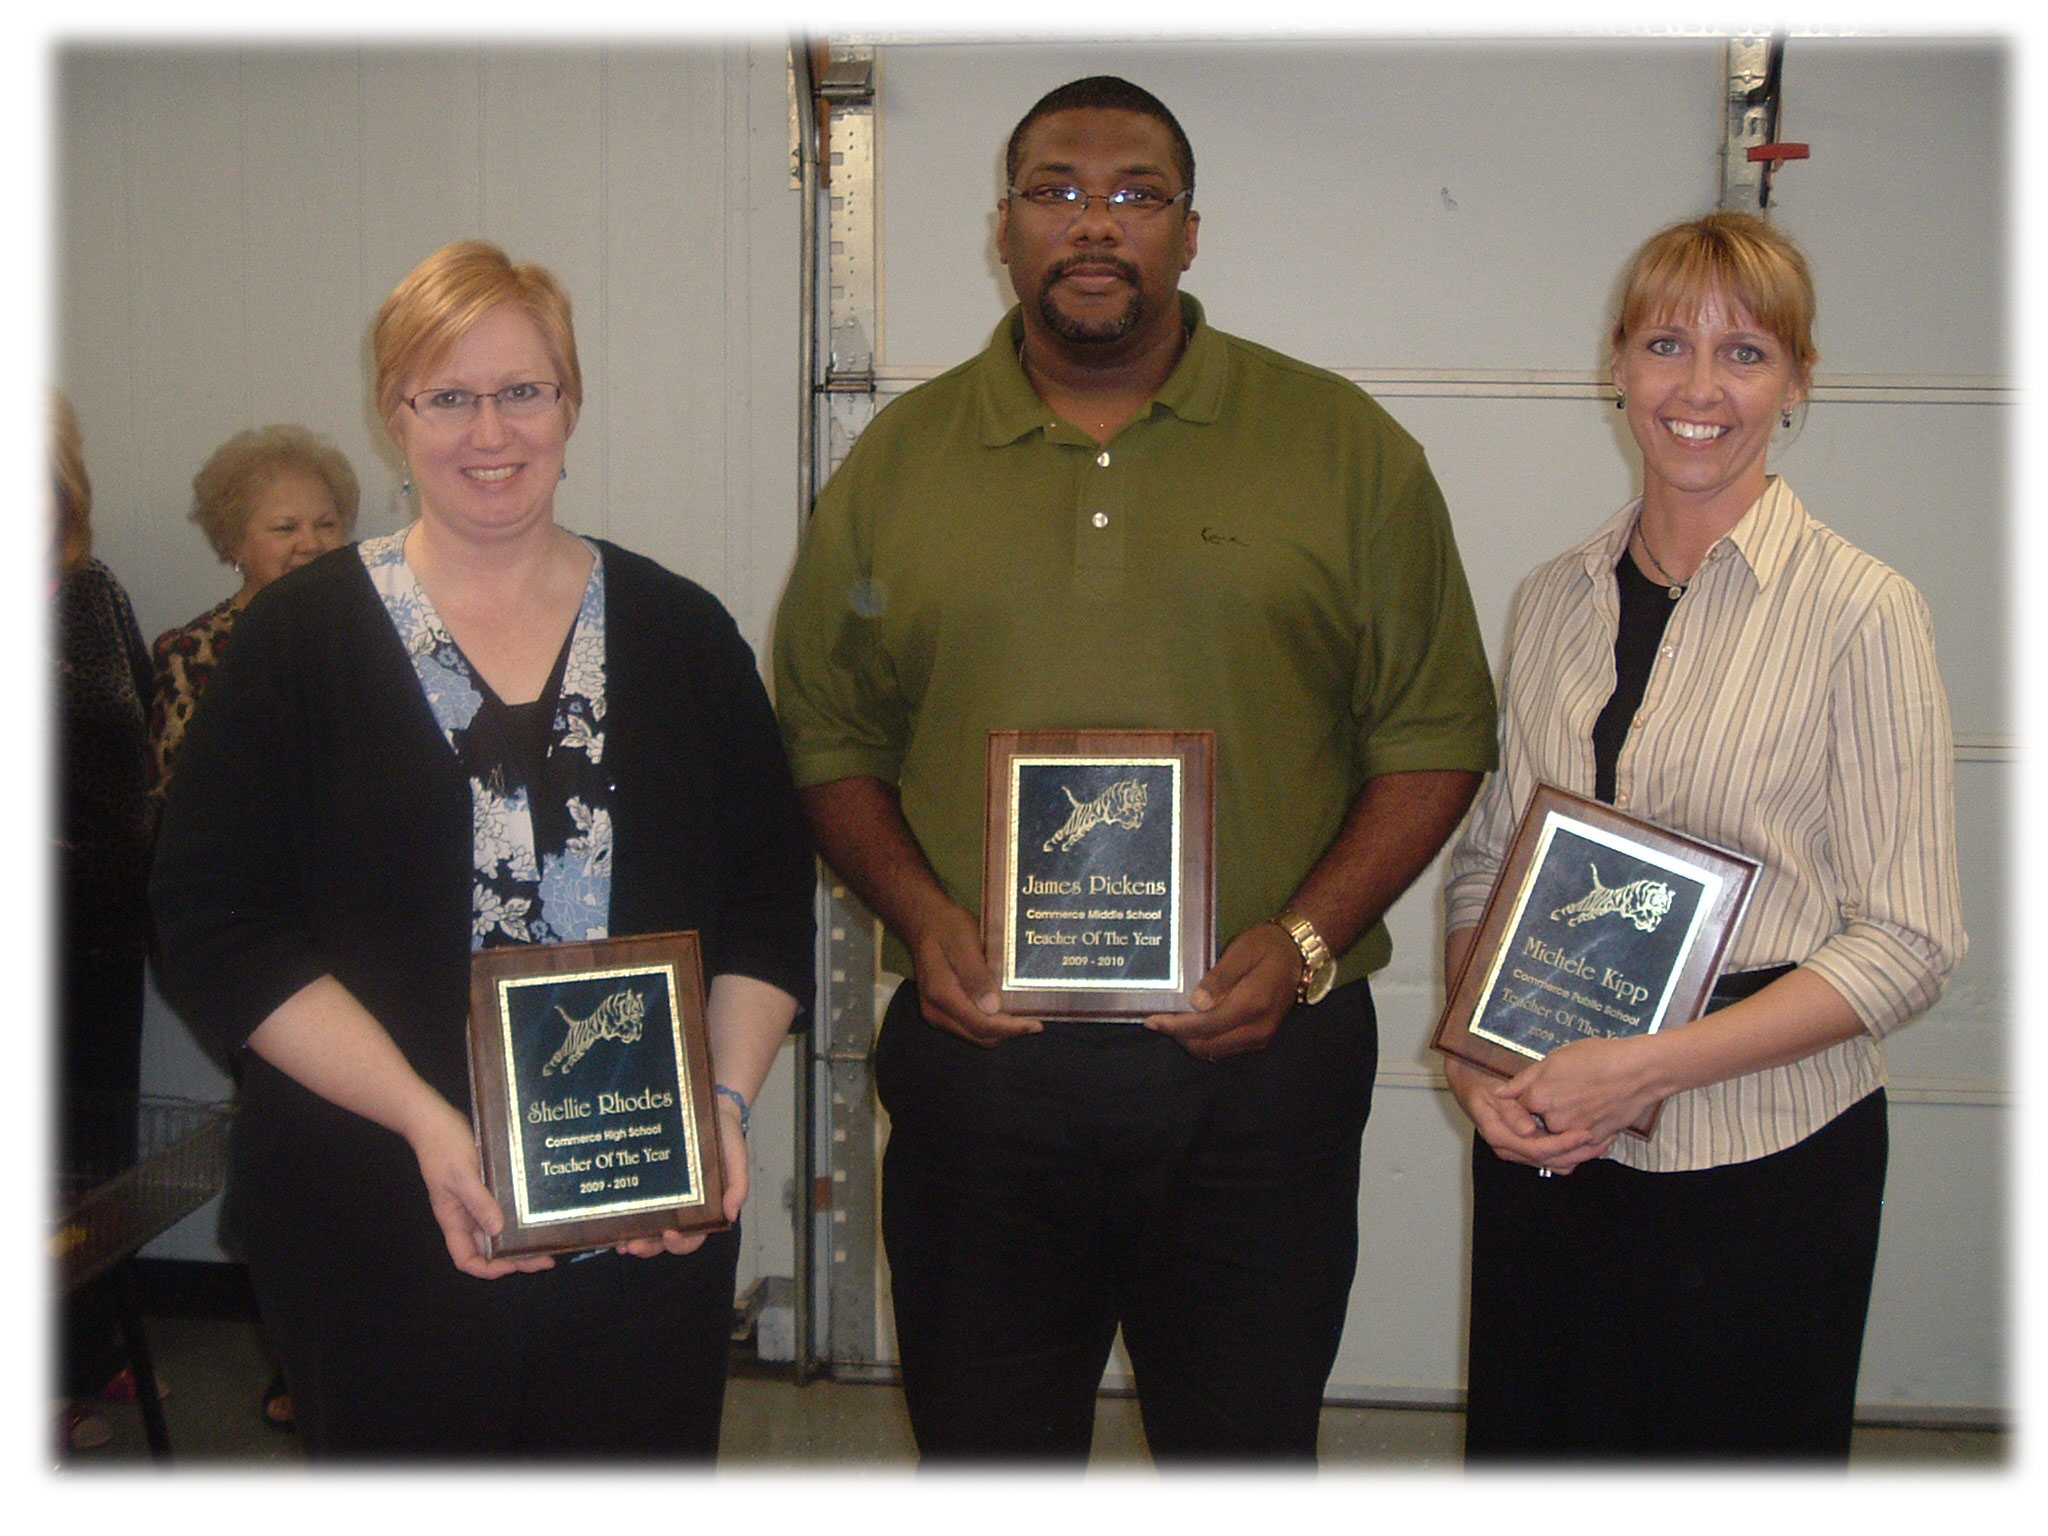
[1736,985]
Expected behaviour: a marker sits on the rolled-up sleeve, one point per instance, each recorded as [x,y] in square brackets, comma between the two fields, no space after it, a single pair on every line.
[841,717]
[1891,818]
[1421,691]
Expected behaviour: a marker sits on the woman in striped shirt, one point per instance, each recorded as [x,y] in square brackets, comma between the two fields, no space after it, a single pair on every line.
[1714,660]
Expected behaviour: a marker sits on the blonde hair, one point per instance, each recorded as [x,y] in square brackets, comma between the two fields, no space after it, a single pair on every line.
[437,302]
[233,480]
[1736,255]
[72,486]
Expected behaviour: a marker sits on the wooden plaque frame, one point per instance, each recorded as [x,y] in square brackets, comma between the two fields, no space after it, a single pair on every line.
[1131,922]
[1573,979]
[566,1159]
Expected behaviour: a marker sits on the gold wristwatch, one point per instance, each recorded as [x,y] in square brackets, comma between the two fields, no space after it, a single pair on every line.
[1318,965]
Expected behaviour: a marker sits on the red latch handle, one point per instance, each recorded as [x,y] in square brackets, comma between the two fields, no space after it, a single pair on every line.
[1780,151]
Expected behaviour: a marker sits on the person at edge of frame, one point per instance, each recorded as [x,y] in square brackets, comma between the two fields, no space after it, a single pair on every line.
[1118,516]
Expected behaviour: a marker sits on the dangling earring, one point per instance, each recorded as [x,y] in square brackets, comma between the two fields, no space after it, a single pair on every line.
[564,474]
[405,481]
[1620,401]
[1785,419]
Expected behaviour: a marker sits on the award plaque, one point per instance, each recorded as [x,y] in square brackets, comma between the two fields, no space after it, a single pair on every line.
[590,1089]
[1600,925]
[1098,870]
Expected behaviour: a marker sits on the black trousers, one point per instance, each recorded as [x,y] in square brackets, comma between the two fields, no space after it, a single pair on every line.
[1039,1194]
[607,1357]
[1710,1315]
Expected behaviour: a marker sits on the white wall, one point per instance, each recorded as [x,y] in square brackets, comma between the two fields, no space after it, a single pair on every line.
[1462,211]
[230,218]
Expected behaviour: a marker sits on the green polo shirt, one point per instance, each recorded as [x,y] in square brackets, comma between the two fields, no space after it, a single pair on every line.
[1262,552]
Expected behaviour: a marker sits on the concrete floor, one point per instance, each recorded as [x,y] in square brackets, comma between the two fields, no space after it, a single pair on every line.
[217,1369]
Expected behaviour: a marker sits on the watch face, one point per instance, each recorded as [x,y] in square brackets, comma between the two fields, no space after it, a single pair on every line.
[1319,983]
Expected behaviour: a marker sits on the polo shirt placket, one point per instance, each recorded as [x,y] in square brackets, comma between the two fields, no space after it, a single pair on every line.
[1102,504]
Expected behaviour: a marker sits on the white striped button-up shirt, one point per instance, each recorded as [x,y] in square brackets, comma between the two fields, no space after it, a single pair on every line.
[1793,712]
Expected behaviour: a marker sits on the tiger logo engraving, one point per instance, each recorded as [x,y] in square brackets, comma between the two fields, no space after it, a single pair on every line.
[1645,903]
[1123,804]
[621,1017]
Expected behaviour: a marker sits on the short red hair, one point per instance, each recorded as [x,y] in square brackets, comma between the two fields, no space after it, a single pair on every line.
[437,302]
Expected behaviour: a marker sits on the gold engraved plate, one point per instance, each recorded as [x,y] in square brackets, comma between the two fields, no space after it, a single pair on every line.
[633,1142]
[1096,905]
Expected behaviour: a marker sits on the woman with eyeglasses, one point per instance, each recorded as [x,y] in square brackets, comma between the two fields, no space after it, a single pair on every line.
[1714,660]
[480,730]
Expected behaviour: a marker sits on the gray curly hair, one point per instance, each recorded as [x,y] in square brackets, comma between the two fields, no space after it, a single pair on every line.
[227,485]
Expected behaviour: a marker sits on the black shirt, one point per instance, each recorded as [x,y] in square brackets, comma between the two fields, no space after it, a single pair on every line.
[1645,609]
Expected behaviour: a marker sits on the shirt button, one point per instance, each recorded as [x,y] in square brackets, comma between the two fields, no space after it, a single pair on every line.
[1100,519]
[1621,800]
[1102,458]
[1669,650]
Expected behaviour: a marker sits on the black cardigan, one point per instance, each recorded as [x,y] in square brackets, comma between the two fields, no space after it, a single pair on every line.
[320,824]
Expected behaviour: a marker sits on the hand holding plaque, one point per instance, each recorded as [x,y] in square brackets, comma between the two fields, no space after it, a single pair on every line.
[1098,870]
[1600,926]
[590,1090]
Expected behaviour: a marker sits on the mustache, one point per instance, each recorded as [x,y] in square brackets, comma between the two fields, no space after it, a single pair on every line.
[1128,271]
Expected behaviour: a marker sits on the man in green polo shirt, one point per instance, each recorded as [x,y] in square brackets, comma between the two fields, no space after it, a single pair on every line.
[1117,516]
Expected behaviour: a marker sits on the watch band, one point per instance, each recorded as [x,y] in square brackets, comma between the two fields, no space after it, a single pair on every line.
[1318,965]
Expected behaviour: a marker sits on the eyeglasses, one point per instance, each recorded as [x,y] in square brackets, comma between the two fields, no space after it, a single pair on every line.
[445,407]
[1124,204]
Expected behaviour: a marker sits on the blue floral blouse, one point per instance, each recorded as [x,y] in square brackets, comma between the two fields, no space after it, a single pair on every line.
[539,796]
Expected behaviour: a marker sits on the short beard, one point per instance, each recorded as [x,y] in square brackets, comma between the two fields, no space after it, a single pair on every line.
[1084,333]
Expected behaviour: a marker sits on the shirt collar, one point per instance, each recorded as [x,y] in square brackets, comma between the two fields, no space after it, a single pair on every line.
[1768,530]
[1599,553]
[1194,390]
[1762,539]
[1011,409]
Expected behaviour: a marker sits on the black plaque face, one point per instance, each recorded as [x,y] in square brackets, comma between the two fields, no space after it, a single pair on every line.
[1597,943]
[603,1123]
[1095,896]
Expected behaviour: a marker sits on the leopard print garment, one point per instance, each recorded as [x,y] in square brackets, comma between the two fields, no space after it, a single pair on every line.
[185,661]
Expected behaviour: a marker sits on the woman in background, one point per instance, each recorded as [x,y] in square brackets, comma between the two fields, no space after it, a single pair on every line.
[1716,661]
[268,500]
[103,840]
[479,730]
